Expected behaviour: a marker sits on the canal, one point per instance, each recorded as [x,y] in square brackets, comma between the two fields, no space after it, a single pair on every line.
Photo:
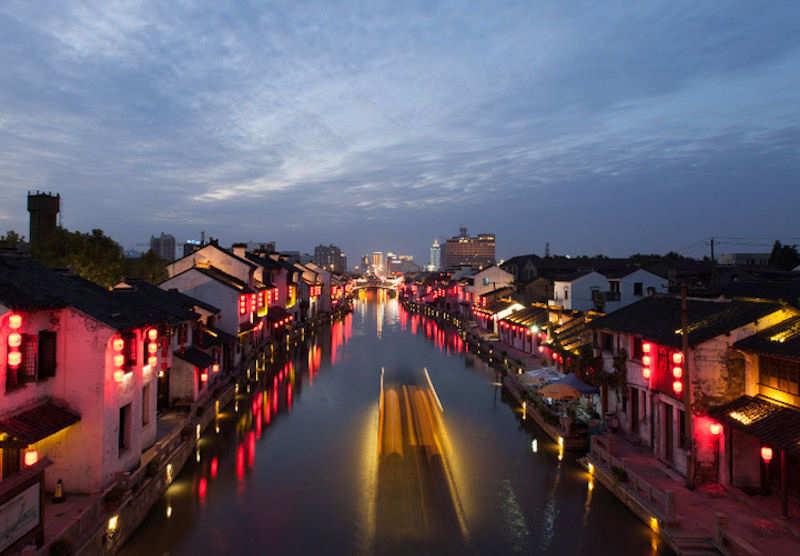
[383,437]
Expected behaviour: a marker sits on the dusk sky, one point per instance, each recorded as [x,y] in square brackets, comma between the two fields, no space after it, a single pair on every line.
[611,127]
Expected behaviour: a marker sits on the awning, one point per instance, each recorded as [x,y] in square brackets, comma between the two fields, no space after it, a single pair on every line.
[773,424]
[194,356]
[37,423]
[569,387]
[538,377]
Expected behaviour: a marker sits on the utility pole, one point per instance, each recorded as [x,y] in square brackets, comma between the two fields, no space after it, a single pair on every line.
[687,391]
[547,250]
[711,243]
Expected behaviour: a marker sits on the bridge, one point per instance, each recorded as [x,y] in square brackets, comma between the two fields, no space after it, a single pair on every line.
[375,282]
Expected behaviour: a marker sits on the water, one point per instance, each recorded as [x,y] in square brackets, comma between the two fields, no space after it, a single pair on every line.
[308,468]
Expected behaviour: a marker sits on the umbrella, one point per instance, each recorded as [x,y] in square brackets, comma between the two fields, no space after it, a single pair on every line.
[538,377]
[568,388]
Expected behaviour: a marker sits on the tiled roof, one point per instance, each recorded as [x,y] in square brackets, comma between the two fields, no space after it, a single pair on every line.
[34,424]
[222,250]
[658,318]
[782,340]
[27,285]
[222,277]
[194,356]
[773,424]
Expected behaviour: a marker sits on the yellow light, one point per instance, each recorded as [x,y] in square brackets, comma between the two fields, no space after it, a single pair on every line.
[113,524]
[119,375]
[170,473]
[590,485]
[197,431]
[14,339]
[169,512]
[524,410]
[654,524]
[561,442]
[15,321]
[591,468]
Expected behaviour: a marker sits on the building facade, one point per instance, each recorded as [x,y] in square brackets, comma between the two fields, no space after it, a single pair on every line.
[331,258]
[163,246]
[435,263]
[464,250]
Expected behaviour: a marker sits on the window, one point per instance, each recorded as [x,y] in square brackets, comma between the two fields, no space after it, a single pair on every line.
[47,354]
[124,441]
[613,286]
[781,374]
[682,429]
[486,281]
[637,349]
[132,350]
[608,342]
[566,294]
[638,289]
[146,405]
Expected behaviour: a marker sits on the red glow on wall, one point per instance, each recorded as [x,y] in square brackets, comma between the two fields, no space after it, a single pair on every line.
[214,467]
[242,304]
[240,462]
[202,489]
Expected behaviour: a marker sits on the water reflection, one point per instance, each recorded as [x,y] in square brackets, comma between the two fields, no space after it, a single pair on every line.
[315,459]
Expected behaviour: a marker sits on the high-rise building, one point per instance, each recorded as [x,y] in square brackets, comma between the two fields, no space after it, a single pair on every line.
[400,264]
[463,250]
[43,209]
[377,262]
[163,246]
[330,257]
[436,256]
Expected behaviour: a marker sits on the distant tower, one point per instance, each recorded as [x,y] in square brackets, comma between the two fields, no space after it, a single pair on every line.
[436,256]
[547,249]
[43,209]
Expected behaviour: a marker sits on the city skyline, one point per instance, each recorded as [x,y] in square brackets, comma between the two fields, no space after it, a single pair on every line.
[506,118]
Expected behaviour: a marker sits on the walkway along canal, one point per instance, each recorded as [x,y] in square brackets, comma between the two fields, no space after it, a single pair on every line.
[351,447]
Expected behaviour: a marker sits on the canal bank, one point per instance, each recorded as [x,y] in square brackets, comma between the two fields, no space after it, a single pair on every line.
[310,478]
[101,524]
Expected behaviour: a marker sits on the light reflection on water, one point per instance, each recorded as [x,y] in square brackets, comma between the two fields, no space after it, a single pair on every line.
[294,466]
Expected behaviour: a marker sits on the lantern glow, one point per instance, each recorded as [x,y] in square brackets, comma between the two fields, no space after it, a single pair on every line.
[152,334]
[677,386]
[715,429]
[119,360]
[677,357]
[14,359]
[118,344]
[31,457]
[647,347]
[15,321]
[646,373]
[766,454]
[152,361]
[677,372]
[152,348]
[647,360]
[14,339]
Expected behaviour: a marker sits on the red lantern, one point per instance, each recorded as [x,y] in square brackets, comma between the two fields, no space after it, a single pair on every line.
[766,454]
[119,375]
[119,360]
[677,372]
[204,377]
[646,347]
[152,361]
[646,373]
[118,344]
[14,359]
[715,429]
[14,340]
[15,321]
[677,386]
[647,360]
[152,348]
[152,334]
[677,358]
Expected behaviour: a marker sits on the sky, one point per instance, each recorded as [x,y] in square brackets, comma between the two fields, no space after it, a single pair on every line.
[597,127]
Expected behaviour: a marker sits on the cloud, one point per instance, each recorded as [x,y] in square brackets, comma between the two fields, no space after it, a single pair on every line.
[302,122]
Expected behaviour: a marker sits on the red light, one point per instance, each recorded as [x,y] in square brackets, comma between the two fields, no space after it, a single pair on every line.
[646,347]
[152,361]
[119,375]
[646,373]
[677,386]
[14,339]
[119,360]
[677,372]
[152,334]
[541,349]
[215,367]
[15,321]
[677,357]
[715,428]
[766,454]
[202,488]
[118,344]
[31,457]
[152,348]
[204,377]
[647,360]
[214,467]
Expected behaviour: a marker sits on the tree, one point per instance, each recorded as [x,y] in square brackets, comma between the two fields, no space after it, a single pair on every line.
[149,267]
[784,257]
[93,256]
[11,240]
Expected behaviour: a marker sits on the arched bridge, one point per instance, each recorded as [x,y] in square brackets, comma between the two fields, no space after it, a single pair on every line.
[378,283]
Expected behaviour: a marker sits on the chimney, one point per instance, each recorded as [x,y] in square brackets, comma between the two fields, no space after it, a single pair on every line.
[239,249]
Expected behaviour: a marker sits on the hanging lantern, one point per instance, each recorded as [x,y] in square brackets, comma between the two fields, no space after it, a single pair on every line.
[647,360]
[152,348]
[766,454]
[215,367]
[14,340]
[647,347]
[152,361]
[31,457]
[118,344]
[119,375]
[646,373]
[715,429]
[152,334]
[204,377]
[677,386]
[119,360]
[677,358]
[15,321]
[677,372]
[14,359]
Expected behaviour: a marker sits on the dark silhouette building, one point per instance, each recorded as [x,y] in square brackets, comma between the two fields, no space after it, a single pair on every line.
[43,209]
